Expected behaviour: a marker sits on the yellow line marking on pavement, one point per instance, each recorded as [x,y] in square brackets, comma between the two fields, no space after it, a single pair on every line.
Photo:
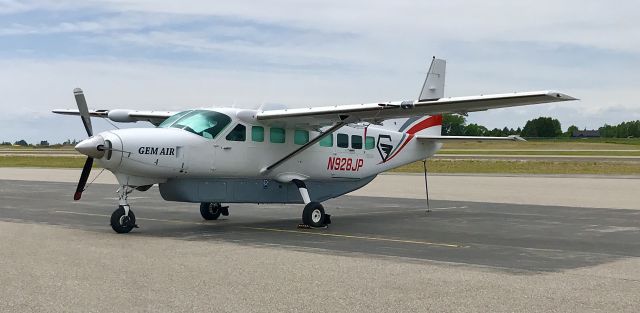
[137,218]
[357,237]
[401,211]
[447,245]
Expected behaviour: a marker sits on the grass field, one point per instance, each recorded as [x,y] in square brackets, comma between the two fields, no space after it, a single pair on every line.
[551,144]
[434,166]
[524,167]
[542,152]
[42,161]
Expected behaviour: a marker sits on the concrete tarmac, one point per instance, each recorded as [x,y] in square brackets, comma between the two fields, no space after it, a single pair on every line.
[616,192]
[381,254]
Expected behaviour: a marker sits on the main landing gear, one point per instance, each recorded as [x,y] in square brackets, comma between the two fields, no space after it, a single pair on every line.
[313,214]
[213,210]
[122,219]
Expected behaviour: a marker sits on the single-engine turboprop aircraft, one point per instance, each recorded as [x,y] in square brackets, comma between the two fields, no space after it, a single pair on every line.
[275,155]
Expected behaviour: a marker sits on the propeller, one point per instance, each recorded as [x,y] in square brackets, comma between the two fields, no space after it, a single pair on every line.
[83,178]
[92,147]
[84,111]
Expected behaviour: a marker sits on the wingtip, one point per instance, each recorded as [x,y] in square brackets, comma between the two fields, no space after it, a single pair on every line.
[516,138]
[560,95]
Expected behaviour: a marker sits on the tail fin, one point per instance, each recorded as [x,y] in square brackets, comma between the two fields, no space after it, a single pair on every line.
[433,87]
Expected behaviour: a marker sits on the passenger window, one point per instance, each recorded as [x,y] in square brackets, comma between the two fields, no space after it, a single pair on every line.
[342,140]
[257,133]
[356,142]
[301,137]
[276,135]
[369,143]
[327,141]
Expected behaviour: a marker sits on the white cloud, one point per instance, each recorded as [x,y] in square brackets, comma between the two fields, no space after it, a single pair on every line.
[118,22]
[19,6]
[373,50]
[591,23]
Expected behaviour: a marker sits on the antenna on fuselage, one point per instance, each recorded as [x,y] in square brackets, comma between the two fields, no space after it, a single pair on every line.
[426,185]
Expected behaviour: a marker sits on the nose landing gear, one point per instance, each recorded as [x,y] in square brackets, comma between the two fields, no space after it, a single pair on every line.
[122,219]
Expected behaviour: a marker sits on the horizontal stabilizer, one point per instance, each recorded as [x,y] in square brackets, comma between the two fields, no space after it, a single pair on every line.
[468,138]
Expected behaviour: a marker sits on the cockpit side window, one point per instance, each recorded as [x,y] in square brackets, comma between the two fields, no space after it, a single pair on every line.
[238,133]
[205,123]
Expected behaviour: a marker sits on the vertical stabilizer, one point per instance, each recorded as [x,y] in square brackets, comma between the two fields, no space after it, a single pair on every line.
[433,87]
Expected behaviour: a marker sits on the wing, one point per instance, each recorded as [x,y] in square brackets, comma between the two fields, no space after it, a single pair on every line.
[377,112]
[125,116]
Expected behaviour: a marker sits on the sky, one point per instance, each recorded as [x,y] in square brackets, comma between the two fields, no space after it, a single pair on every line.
[175,55]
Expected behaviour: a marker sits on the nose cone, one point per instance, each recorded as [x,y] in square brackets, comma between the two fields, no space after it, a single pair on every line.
[92,147]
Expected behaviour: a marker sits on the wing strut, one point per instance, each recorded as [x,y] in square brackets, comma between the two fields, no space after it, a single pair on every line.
[344,121]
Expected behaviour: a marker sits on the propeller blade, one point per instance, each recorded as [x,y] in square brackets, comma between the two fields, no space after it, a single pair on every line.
[83,178]
[84,111]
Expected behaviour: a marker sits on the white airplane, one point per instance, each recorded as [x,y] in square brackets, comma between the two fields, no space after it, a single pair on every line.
[275,155]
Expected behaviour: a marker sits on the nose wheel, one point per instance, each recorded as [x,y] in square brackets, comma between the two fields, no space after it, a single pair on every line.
[121,222]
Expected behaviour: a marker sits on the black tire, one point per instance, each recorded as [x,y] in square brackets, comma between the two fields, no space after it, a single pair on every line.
[313,214]
[210,210]
[122,224]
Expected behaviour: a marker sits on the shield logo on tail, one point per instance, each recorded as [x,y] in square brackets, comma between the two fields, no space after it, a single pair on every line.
[384,148]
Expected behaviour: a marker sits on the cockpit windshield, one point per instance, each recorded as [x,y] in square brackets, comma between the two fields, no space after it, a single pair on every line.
[207,124]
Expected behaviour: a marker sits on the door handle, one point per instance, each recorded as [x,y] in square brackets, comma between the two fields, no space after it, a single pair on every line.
[226,148]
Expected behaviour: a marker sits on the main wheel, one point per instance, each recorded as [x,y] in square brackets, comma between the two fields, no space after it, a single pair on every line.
[210,210]
[313,214]
[120,223]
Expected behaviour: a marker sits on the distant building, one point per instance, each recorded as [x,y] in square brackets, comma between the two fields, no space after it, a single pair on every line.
[585,133]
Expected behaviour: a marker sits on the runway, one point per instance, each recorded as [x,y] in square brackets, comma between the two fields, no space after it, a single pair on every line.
[497,256]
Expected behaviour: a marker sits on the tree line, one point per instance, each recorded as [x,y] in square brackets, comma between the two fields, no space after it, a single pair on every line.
[622,130]
[546,127]
[43,143]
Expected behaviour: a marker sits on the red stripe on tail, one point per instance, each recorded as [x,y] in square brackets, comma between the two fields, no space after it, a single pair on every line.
[434,120]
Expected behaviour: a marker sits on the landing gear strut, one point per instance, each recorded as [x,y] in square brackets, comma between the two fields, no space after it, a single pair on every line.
[122,219]
[313,213]
[213,210]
